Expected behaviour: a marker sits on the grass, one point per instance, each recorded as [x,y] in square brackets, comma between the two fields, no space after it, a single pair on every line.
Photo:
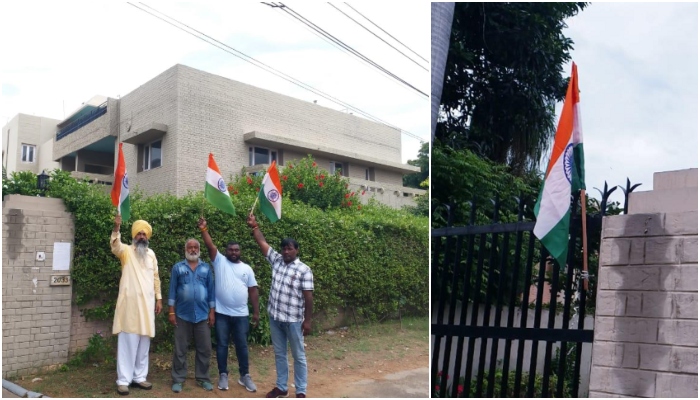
[340,354]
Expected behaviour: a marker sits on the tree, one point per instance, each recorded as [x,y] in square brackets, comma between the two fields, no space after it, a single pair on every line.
[503,78]
[423,161]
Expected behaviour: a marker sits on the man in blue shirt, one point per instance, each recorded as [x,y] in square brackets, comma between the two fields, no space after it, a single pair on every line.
[235,283]
[192,302]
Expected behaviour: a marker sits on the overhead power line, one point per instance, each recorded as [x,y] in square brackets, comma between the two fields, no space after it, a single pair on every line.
[377,36]
[386,32]
[346,47]
[201,36]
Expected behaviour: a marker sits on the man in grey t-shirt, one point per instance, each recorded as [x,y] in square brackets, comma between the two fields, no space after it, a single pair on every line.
[234,282]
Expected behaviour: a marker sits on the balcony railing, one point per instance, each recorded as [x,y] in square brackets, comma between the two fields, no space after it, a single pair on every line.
[82,121]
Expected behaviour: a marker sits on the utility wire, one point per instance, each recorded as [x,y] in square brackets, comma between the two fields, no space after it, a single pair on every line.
[348,48]
[386,32]
[267,68]
[377,36]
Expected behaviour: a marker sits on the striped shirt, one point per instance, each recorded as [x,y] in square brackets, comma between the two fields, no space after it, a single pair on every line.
[286,300]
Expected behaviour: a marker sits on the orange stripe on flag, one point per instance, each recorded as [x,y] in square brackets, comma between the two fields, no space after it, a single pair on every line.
[275,176]
[566,122]
[212,164]
[118,177]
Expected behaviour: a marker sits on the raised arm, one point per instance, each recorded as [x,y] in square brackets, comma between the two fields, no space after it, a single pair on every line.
[202,225]
[115,242]
[257,235]
[117,223]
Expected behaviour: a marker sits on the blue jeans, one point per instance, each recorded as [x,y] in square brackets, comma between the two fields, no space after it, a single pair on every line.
[238,327]
[282,332]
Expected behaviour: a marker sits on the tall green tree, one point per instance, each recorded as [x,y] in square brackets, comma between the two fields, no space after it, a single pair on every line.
[503,78]
[423,161]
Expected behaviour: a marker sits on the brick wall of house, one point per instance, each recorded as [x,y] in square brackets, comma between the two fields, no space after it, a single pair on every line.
[207,113]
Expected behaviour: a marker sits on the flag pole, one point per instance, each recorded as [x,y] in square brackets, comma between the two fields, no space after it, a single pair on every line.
[254,204]
[585,239]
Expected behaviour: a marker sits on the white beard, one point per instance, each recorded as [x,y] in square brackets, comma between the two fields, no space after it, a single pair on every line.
[141,250]
[192,257]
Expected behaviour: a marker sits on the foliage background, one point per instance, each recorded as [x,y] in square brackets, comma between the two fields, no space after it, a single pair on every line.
[369,258]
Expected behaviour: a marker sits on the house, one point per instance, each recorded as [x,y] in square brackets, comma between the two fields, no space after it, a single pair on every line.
[27,143]
[171,123]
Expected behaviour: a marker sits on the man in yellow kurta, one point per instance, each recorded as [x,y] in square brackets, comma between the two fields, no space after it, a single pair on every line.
[139,297]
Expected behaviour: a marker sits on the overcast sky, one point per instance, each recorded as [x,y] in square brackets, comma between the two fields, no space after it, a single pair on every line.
[57,55]
[638,77]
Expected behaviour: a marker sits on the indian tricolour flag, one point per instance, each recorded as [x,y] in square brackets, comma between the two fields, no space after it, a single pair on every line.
[564,176]
[120,187]
[215,190]
[270,195]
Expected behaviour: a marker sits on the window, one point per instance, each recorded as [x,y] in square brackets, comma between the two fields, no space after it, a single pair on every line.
[152,155]
[261,155]
[338,166]
[28,153]
[369,174]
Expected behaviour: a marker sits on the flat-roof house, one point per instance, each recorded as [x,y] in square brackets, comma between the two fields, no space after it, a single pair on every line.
[171,123]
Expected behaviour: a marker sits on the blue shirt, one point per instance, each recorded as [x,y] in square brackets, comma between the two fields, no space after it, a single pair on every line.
[192,292]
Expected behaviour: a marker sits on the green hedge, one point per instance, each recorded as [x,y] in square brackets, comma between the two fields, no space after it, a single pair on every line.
[371,258]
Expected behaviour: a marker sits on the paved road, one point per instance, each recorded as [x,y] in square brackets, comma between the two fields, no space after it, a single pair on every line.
[413,383]
[7,393]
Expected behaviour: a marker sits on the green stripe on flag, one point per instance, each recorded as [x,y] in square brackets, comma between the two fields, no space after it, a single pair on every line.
[218,199]
[578,176]
[125,208]
[557,240]
[266,207]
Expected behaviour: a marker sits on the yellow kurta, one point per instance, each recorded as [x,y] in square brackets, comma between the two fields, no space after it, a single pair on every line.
[139,288]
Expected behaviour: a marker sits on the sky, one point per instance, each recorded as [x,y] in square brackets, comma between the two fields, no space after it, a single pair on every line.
[56,59]
[638,81]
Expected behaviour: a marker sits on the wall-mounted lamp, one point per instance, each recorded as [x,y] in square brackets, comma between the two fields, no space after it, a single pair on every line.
[42,183]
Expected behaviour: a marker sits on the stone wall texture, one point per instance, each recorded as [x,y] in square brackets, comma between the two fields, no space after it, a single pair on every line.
[646,325]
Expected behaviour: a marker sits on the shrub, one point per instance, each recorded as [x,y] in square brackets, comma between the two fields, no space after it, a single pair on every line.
[373,259]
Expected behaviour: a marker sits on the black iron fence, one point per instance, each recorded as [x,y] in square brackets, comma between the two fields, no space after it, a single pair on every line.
[498,297]
[488,269]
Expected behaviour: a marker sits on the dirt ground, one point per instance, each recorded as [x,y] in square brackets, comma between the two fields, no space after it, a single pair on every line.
[336,359]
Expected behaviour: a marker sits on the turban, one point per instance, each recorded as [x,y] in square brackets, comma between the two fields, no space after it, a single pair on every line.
[139,226]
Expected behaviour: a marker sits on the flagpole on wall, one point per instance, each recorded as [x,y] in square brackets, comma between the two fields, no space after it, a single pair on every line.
[584,237]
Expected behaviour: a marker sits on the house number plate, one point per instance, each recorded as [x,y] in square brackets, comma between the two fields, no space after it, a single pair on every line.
[60,280]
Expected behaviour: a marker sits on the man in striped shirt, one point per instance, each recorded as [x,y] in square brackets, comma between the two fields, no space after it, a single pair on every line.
[289,307]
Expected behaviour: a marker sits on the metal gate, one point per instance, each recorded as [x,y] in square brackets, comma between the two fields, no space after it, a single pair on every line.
[482,277]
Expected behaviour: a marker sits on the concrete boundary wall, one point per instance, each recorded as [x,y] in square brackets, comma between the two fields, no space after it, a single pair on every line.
[646,325]
[35,315]
[41,326]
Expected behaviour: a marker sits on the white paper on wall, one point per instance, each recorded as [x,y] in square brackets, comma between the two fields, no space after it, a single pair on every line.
[61,256]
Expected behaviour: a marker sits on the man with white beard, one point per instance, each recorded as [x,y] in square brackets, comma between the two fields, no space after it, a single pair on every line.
[191,310]
[138,301]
